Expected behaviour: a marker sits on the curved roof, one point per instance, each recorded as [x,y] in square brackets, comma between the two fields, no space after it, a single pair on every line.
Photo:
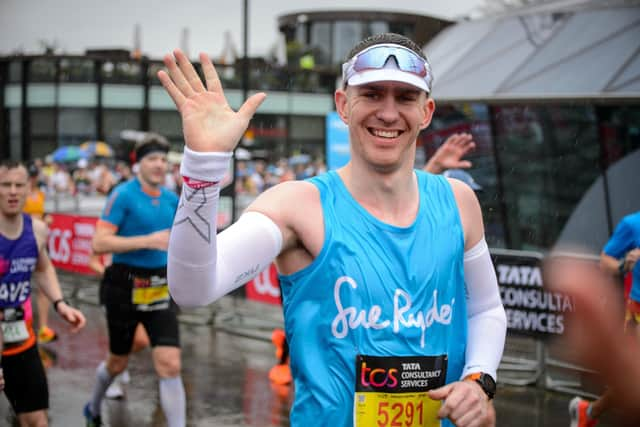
[551,52]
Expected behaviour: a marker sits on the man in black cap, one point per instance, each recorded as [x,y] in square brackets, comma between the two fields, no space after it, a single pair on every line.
[134,226]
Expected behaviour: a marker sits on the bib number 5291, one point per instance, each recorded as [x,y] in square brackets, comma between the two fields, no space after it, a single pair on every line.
[398,414]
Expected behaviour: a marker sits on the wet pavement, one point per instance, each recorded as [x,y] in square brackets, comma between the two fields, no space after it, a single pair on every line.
[226,359]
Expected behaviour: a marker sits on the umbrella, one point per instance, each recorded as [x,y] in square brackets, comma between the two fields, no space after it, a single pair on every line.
[97,149]
[68,153]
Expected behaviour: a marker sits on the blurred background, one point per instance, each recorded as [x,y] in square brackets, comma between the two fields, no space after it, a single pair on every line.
[550,91]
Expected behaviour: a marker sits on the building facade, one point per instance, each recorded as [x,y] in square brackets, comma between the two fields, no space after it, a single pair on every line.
[554,109]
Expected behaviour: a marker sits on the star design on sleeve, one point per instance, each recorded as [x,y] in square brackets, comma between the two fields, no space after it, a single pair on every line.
[197,221]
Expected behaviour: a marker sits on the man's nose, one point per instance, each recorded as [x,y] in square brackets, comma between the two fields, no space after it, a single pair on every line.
[388,111]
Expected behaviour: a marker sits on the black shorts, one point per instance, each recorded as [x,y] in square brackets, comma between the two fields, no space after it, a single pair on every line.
[123,315]
[25,381]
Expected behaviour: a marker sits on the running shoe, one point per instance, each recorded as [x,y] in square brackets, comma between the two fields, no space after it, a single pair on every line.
[46,334]
[280,374]
[279,340]
[578,413]
[115,390]
[91,420]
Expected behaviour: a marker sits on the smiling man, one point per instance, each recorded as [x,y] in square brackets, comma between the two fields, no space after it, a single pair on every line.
[391,305]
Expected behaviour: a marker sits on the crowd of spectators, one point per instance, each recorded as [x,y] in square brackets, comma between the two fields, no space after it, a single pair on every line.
[100,176]
[255,176]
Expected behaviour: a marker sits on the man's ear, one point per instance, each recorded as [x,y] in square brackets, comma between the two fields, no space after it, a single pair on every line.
[429,109]
[340,97]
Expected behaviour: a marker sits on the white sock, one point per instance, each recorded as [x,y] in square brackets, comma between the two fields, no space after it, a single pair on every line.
[173,401]
[103,380]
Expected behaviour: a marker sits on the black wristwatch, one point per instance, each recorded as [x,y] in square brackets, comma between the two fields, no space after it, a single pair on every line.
[621,266]
[486,381]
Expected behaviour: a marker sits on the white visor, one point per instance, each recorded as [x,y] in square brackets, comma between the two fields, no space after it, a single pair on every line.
[387,74]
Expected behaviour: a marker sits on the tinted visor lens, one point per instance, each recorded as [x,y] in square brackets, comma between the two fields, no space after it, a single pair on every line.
[377,56]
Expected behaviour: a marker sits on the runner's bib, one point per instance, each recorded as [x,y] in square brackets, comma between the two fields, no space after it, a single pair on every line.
[392,391]
[14,327]
[150,293]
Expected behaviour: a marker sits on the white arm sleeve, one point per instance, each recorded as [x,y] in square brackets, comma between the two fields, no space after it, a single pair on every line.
[203,267]
[486,318]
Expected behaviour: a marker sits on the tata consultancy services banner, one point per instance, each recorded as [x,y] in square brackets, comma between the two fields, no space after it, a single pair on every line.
[531,309]
[337,141]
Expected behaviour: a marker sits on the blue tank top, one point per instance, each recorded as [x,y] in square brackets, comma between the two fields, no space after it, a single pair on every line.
[18,259]
[375,289]
[135,213]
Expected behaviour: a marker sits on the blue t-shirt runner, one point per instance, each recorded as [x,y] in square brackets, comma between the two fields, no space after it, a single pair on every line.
[626,237]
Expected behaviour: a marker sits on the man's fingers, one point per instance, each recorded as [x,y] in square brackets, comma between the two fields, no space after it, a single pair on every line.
[465,164]
[250,106]
[172,90]
[177,76]
[440,393]
[188,71]
[210,74]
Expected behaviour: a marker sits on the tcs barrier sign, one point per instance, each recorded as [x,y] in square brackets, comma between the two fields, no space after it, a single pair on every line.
[70,242]
[265,287]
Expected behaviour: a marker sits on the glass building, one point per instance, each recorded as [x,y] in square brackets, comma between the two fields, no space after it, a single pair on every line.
[552,97]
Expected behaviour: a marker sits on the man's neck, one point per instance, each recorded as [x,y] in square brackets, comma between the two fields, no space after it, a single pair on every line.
[392,198]
[11,225]
[148,187]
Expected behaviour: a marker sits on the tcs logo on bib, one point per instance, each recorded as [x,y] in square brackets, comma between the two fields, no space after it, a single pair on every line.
[377,377]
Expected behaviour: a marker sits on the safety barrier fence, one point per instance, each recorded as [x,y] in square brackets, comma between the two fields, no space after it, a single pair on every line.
[535,315]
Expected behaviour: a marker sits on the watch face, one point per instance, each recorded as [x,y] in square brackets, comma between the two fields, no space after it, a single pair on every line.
[488,384]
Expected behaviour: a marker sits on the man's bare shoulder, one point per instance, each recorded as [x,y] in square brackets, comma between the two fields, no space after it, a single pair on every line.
[40,230]
[39,227]
[289,195]
[469,210]
[460,189]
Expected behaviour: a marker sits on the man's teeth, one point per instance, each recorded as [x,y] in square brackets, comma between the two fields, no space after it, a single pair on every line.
[386,133]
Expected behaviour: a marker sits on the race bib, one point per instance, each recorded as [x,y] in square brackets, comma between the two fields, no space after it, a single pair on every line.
[150,293]
[15,331]
[392,391]
[14,327]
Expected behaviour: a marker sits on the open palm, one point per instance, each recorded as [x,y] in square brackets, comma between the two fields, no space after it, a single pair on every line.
[208,122]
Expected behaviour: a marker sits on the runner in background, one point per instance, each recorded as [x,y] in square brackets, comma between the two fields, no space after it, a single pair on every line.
[34,206]
[593,337]
[23,253]
[98,263]
[619,257]
[134,227]
[1,347]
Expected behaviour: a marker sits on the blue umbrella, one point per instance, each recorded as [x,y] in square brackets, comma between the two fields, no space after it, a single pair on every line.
[68,153]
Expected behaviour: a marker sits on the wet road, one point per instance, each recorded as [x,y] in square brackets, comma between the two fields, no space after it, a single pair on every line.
[225,374]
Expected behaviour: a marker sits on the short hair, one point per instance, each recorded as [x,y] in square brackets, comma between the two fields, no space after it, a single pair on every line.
[386,38]
[12,164]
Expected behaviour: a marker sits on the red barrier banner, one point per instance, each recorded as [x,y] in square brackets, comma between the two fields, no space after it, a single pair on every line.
[70,242]
[265,287]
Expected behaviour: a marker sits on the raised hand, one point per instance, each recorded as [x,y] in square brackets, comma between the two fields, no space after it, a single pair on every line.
[450,154]
[208,122]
